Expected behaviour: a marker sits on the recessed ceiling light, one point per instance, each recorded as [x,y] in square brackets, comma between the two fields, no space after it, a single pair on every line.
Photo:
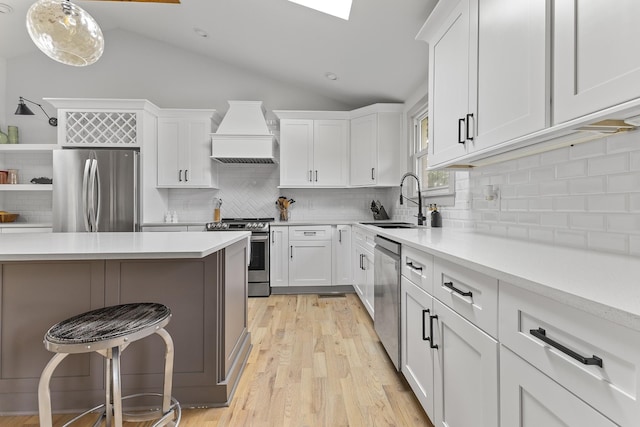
[202,33]
[5,9]
[331,76]
[338,8]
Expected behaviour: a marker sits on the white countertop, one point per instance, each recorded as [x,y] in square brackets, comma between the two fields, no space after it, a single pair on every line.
[599,283]
[145,245]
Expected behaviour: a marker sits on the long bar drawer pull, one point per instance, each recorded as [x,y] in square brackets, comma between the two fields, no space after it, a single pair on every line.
[431,344]
[541,334]
[309,233]
[449,285]
[412,265]
[424,327]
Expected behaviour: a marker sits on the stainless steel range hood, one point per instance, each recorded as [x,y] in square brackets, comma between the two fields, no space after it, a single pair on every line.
[243,135]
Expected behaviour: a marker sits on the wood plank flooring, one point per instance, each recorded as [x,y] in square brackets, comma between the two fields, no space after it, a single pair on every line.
[315,362]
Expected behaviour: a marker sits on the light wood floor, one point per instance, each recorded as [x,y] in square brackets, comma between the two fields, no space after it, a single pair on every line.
[315,362]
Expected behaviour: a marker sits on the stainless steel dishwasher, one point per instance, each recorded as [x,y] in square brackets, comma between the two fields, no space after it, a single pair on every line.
[386,296]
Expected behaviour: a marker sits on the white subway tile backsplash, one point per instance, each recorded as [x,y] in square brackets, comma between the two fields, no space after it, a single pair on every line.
[587,149]
[572,169]
[587,221]
[590,185]
[623,183]
[585,196]
[607,203]
[610,242]
[554,157]
[609,165]
[570,203]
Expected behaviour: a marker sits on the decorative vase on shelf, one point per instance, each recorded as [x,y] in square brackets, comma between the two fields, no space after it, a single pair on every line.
[13,134]
[3,138]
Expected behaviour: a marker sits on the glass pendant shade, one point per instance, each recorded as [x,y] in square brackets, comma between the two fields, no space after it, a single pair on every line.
[65,32]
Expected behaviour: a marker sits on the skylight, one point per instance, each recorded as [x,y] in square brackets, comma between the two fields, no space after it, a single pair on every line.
[337,8]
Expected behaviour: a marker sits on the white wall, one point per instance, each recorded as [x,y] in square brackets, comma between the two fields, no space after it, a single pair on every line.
[3,94]
[137,67]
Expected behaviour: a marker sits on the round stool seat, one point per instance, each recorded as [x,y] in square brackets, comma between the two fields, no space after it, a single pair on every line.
[106,327]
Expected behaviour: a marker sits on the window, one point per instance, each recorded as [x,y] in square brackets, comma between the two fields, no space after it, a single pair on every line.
[432,183]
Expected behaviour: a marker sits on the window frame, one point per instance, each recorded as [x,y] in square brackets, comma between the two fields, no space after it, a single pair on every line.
[444,194]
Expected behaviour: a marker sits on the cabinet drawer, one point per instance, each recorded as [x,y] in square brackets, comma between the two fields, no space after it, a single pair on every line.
[527,320]
[417,266]
[312,232]
[472,295]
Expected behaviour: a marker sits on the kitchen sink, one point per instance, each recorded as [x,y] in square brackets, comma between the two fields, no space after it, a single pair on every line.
[390,224]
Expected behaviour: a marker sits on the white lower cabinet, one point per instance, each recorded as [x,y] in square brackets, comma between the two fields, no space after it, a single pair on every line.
[465,371]
[279,256]
[342,255]
[309,262]
[416,354]
[528,398]
[363,268]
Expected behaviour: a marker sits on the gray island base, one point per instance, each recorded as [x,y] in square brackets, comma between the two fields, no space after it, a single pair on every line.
[204,285]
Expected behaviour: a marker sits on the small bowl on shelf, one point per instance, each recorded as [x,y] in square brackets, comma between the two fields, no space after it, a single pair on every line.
[8,217]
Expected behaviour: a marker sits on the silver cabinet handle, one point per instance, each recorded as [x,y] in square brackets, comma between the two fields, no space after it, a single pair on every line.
[186,175]
[309,233]
[273,236]
[339,236]
[316,176]
[291,249]
[373,173]
[180,175]
[310,175]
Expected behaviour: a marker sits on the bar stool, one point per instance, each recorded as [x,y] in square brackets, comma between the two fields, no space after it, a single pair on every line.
[108,331]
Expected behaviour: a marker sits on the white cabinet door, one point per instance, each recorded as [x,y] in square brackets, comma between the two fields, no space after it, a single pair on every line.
[279,256]
[330,155]
[417,356]
[309,262]
[296,152]
[466,372]
[184,151]
[359,273]
[342,250]
[513,94]
[528,398]
[364,155]
[368,267]
[452,81]
[594,64]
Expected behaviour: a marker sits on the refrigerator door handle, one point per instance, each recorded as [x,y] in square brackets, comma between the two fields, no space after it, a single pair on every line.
[85,194]
[96,172]
[92,195]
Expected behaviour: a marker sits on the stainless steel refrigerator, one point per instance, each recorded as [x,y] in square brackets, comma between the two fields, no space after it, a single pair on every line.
[96,190]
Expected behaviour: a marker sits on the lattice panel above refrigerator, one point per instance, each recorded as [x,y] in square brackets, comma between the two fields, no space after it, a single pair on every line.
[85,128]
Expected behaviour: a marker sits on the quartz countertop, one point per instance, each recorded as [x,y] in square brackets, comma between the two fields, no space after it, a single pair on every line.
[144,245]
[599,283]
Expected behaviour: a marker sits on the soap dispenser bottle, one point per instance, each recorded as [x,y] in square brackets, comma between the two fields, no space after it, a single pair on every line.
[436,218]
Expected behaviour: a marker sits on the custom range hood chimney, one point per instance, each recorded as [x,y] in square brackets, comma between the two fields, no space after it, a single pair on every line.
[243,135]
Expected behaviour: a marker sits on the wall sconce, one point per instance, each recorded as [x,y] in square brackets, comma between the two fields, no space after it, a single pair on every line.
[23,110]
[490,192]
[65,32]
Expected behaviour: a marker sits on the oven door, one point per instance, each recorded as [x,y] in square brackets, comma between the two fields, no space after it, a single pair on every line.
[259,263]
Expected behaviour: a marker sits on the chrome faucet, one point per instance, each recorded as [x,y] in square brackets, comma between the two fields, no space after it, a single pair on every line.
[421,217]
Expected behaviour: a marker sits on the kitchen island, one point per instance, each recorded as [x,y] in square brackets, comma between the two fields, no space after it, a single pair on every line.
[48,277]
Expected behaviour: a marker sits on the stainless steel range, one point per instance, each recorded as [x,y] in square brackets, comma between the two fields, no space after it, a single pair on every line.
[259,285]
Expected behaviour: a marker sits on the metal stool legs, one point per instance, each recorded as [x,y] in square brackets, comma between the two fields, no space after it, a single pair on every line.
[113,412]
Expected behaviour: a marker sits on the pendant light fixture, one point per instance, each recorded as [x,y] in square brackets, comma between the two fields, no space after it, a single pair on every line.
[65,32]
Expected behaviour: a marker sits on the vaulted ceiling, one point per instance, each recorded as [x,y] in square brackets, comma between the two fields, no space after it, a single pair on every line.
[374,55]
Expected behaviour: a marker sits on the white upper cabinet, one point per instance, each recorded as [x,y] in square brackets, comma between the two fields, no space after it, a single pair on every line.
[376,146]
[314,153]
[513,70]
[594,62]
[488,68]
[184,150]
[452,80]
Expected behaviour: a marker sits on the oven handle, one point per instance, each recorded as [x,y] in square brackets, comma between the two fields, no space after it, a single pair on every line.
[261,238]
